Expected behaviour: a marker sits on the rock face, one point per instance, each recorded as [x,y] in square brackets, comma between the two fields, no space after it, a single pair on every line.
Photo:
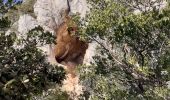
[49,12]
[26,23]
[49,15]
[90,52]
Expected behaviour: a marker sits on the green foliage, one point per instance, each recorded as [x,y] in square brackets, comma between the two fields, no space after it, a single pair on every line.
[25,67]
[139,71]
[52,94]
[4,23]
[24,70]
[13,12]
[27,6]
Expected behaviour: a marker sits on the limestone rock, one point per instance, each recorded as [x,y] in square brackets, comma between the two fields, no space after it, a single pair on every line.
[49,12]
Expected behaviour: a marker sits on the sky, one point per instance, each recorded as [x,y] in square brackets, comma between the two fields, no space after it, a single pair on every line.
[14,1]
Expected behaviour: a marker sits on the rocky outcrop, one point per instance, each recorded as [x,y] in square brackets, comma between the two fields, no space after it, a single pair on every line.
[49,12]
[49,15]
